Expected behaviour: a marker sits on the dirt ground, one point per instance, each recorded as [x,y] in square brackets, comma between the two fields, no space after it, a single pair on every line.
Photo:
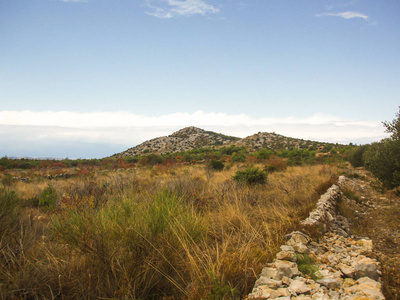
[375,213]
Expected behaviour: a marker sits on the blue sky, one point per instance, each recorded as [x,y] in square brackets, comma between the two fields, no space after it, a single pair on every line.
[92,78]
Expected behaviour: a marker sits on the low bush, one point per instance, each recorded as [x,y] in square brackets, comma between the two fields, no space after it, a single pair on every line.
[270,169]
[251,176]
[48,197]
[217,165]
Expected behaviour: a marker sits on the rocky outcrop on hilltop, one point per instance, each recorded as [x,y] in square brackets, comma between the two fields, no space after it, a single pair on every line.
[276,141]
[188,138]
[338,265]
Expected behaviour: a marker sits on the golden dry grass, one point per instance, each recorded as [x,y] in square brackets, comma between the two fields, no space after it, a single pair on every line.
[162,232]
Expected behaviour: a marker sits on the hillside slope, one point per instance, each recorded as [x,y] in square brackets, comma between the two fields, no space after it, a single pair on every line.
[185,139]
[190,138]
[276,141]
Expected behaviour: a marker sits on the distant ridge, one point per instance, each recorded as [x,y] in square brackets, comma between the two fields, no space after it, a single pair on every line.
[190,138]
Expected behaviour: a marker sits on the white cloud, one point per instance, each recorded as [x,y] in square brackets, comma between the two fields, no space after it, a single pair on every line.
[93,120]
[345,15]
[166,9]
[129,129]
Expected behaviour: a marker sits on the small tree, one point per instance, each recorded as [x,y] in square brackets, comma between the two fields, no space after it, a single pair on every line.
[393,127]
[383,158]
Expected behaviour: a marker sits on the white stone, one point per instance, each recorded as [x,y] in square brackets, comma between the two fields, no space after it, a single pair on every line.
[366,270]
[348,271]
[301,248]
[368,287]
[330,283]
[299,287]
[286,255]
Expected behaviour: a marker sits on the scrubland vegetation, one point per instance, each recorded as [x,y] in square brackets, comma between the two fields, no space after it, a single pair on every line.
[167,231]
[199,224]
[381,158]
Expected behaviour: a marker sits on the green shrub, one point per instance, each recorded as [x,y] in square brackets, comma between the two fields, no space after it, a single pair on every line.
[383,158]
[48,197]
[217,165]
[252,175]
[8,180]
[263,154]
[355,156]
[238,157]
[270,169]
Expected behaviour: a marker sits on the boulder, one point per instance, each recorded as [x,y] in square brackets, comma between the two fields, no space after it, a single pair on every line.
[368,287]
[330,283]
[366,269]
[347,271]
[286,255]
[301,248]
[299,287]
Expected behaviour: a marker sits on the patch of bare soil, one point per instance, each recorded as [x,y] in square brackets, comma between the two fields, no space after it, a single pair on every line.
[375,213]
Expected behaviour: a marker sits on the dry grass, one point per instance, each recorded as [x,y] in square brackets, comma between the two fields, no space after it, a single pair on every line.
[151,233]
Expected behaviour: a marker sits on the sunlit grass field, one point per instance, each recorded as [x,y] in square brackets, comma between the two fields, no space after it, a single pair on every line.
[161,232]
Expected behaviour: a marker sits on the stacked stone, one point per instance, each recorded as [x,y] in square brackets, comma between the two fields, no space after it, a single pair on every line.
[325,210]
[345,267]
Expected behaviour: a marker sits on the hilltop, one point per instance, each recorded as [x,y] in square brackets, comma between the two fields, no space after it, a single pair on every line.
[190,138]
[274,141]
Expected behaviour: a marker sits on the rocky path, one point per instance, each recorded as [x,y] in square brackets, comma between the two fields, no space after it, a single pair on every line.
[376,214]
[336,264]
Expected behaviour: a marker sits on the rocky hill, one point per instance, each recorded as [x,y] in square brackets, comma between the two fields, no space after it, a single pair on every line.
[190,138]
[276,141]
[185,139]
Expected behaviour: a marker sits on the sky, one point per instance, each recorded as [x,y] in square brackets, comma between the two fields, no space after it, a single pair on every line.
[90,78]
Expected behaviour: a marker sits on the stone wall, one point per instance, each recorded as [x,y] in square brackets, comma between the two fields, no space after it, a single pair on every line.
[335,265]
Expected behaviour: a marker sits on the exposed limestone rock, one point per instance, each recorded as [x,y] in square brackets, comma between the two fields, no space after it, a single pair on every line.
[367,268]
[367,287]
[286,255]
[347,270]
[299,287]
[301,248]
[343,261]
[190,138]
[330,283]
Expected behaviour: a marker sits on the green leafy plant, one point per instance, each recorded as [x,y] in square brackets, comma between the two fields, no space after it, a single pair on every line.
[217,165]
[251,176]
[263,153]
